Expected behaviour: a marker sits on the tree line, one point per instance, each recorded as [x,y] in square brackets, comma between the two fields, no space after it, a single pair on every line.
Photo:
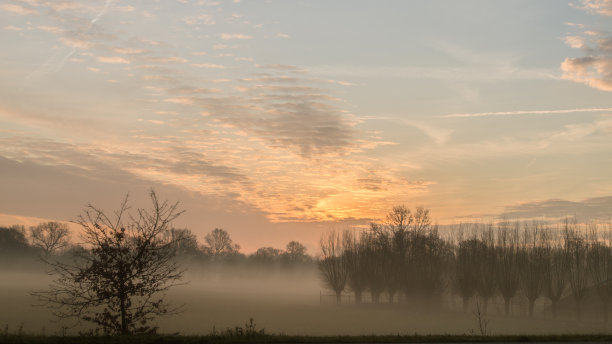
[117,277]
[406,259]
[53,240]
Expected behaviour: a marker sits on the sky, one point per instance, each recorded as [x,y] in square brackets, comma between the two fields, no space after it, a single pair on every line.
[277,120]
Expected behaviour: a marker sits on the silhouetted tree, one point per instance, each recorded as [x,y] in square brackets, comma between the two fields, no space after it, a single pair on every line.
[531,259]
[266,255]
[507,273]
[487,265]
[556,268]
[431,258]
[332,263]
[50,237]
[466,269]
[576,250]
[599,264]
[185,242]
[219,243]
[119,280]
[295,252]
[13,240]
[356,257]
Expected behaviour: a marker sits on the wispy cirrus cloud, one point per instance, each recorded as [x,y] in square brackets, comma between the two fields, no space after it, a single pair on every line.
[17,9]
[230,36]
[113,60]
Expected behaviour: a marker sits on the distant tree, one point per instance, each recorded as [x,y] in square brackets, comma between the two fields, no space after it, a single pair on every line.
[507,274]
[332,263]
[266,255]
[295,252]
[399,219]
[466,269]
[421,221]
[13,240]
[576,250]
[389,263]
[219,243]
[486,267]
[185,242]
[431,258]
[532,258]
[355,252]
[50,237]
[599,264]
[119,278]
[556,268]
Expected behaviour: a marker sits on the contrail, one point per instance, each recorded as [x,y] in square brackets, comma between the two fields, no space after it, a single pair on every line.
[47,66]
[106,6]
[525,112]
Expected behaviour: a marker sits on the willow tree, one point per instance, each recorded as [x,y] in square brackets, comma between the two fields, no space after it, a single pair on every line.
[356,257]
[332,263]
[599,264]
[119,281]
[507,273]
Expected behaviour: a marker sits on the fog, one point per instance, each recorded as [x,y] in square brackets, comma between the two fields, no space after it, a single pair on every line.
[289,302]
[400,276]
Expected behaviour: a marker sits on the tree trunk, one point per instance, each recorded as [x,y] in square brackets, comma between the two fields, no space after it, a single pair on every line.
[391,296]
[553,308]
[507,306]
[579,309]
[531,305]
[376,297]
[338,298]
[357,297]
[605,310]
[466,302]
[124,327]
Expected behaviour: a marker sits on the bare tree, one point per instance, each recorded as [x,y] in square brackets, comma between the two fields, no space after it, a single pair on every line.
[555,276]
[266,255]
[50,237]
[332,263]
[466,269]
[532,257]
[399,218]
[507,272]
[599,264]
[355,253]
[575,248]
[421,221]
[295,252]
[376,268]
[430,257]
[119,281]
[13,240]
[186,243]
[219,243]
[486,267]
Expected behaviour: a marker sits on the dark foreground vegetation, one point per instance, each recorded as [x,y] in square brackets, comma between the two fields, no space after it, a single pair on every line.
[269,338]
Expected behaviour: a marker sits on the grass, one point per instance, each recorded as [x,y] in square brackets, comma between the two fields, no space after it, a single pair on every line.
[279,338]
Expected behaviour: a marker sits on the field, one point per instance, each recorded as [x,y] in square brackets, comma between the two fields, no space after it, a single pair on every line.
[281,304]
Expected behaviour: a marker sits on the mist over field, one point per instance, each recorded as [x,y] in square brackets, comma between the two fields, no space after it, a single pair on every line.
[282,304]
[287,291]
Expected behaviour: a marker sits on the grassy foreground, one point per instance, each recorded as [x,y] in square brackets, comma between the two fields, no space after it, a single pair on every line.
[270,338]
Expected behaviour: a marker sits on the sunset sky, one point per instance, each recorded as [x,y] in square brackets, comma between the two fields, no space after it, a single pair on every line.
[276,120]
